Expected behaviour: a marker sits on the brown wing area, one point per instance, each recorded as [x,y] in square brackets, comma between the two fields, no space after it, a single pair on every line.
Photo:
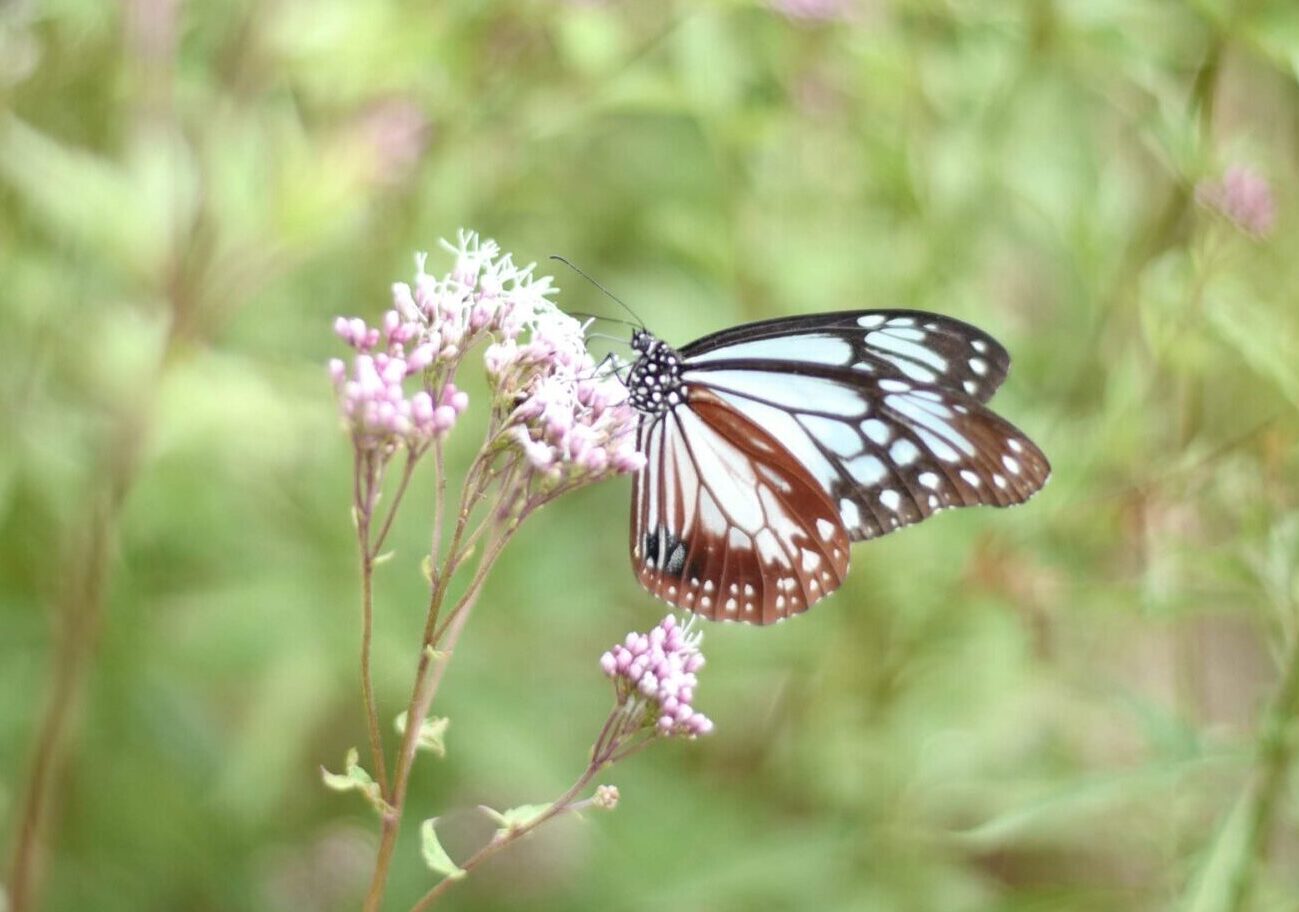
[726,523]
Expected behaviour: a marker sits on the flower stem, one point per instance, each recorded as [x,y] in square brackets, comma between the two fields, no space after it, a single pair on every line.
[367,680]
[79,611]
[427,673]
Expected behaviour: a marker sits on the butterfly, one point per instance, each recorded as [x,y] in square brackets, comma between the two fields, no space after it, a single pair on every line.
[772,446]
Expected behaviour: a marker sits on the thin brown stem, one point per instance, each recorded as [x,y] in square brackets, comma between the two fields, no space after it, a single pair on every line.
[408,469]
[425,685]
[367,678]
[439,501]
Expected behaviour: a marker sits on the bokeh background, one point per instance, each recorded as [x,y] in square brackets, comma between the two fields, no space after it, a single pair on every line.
[1086,703]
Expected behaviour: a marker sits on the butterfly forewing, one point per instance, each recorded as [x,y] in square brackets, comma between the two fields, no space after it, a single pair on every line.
[727,523]
[891,455]
[906,345]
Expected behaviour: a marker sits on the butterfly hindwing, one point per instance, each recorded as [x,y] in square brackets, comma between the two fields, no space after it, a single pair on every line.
[726,522]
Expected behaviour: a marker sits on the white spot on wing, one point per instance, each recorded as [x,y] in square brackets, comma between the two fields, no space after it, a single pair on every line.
[787,391]
[877,431]
[929,480]
[867,470]
[833,434]
[900,342]
[849,513]
[904,452]
[890,499]
[821,348]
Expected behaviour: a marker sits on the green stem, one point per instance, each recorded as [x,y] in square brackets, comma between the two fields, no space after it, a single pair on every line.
[511,836]
[1275,754]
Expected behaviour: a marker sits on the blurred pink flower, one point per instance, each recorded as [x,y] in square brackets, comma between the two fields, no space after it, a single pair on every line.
[1243,196]
[812,10]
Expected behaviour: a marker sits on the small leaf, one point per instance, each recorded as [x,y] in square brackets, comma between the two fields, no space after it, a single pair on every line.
[426,567]
[516,818]
[355,778]
[432,734]
[383,558]
[435,856]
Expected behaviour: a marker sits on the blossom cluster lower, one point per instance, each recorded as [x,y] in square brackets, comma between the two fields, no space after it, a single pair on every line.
[657,670]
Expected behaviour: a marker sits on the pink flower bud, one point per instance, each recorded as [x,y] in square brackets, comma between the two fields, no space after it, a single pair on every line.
[394,371]
[628,460]
[421,408]
[421,358]
[444,417]
[480,317]
[595,461]
[609,664]
[649,684]
[337,370]
[404,301]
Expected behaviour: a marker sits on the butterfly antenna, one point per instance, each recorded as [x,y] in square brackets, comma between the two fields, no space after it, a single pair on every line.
[610,294]
[587,315]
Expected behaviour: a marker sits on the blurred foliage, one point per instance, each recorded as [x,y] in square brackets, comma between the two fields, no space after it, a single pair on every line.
[1061,707]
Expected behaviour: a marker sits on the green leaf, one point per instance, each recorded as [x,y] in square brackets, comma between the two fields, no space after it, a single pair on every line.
[432,734]
[435,856]
[516,818]
[355,778]
[1212,888]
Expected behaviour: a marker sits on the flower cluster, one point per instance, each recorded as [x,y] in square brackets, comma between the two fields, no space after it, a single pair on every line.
[373,394]
[655,673]
[568,419]
[1243,197]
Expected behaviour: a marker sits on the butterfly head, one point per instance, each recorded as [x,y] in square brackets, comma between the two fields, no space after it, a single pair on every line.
[654,382]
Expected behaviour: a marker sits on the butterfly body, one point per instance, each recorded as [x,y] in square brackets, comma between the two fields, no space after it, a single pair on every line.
[772,446]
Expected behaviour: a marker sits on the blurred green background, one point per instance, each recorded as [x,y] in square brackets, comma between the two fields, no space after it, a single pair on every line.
[1085,703]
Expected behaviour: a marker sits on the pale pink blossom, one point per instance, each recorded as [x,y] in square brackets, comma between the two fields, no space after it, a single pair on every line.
[1242,196]
[655,675]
